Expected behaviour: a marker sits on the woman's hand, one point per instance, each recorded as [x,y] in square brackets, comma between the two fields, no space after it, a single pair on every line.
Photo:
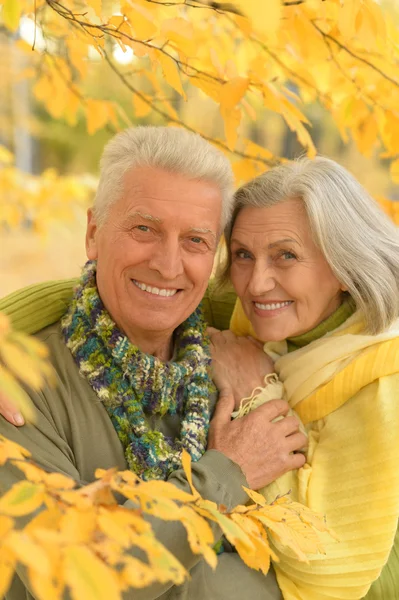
[9,411]
[239,364]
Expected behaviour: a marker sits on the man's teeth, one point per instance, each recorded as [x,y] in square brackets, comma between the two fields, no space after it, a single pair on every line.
[154,290]
[272,306]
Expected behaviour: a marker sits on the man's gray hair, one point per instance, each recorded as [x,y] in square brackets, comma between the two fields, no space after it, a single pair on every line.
[171,148]
[359,242]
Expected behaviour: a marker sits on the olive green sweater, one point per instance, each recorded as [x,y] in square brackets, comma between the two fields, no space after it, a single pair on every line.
[73,434]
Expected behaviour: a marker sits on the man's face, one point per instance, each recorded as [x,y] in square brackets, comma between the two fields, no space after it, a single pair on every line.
[155,250]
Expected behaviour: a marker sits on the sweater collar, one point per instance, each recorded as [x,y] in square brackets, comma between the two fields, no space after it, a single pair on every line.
[338,317]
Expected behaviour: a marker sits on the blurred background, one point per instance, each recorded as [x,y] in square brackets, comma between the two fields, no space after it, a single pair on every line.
[49,163]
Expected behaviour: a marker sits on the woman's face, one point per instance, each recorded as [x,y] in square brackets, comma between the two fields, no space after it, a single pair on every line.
[281,277]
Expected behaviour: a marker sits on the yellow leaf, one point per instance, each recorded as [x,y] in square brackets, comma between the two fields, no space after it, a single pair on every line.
[231,530]
[6,157]
[246,169]
[88,577]
[114,530]
[140,19]
[96,5]
[265,16]
[58,481]
[137,574]
[11,389]
[10,450]
[180,32]
[231,119]
[44,588]
[11,13]
[44,520]
[210,87]
[78,526]
[186,463]
[199,534]
[21,365]
[23,498]
[347,18]
[29,553]
[255,496]
[6,524]
[6,575]
[259,557]
[164,563]
[233,91]
[141,108]
[366,135]
[170,72]
[97,115]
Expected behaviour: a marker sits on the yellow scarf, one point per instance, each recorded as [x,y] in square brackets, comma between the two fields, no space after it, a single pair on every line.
[351,474]
[316,377]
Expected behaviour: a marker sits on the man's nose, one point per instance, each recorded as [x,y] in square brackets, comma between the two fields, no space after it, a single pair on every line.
[262,280]
[167,259]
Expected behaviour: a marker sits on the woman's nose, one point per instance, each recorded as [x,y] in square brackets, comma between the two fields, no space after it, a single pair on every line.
[262,280]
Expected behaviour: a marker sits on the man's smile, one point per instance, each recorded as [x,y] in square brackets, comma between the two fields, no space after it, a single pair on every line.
[165,292]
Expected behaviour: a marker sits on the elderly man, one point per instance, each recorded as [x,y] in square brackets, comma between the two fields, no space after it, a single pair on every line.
[132,357]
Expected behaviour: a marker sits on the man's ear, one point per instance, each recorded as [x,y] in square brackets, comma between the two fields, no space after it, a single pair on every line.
[91,236]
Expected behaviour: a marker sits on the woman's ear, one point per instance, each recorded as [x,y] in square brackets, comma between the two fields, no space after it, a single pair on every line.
[91,235]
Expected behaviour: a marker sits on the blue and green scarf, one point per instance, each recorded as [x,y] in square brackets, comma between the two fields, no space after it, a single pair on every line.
[134,386]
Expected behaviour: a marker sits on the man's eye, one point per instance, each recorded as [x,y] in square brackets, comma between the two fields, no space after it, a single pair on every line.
[144,228]
[196,240]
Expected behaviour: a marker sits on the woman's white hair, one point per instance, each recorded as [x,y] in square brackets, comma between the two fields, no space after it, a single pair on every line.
[359,242]
[171,148]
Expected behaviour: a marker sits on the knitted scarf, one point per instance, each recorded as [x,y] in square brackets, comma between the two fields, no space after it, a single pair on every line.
[134,386]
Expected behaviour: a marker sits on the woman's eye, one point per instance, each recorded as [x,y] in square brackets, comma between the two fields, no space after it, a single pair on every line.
[242,254]
[288,255]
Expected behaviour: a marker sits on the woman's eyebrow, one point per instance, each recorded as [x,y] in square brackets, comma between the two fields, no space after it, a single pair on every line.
[283,241]
[271,245]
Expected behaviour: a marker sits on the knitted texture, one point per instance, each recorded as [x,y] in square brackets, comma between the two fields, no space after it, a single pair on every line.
[135,386]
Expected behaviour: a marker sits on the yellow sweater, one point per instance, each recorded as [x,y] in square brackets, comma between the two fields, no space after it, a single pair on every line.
[345,387]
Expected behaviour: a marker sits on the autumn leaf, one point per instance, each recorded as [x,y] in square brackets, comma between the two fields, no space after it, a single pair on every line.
[232,92]
[6,573]
[29,553]
[170,72]
[22,499]
[88,577]
[11,13]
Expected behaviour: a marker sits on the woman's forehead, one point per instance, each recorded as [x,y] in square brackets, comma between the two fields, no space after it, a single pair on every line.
[288,217]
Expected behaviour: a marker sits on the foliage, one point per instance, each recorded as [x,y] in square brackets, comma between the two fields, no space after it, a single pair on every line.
[22,358]
[245,56]
[82,538]
[36,201]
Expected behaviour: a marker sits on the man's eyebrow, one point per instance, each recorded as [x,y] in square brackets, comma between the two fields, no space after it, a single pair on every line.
[145,216]
[203,230]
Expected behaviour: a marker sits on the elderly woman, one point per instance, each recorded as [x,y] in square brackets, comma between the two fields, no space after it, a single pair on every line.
[315,264]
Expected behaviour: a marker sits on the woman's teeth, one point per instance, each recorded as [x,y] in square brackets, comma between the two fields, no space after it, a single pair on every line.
[273,305]
[154,290]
